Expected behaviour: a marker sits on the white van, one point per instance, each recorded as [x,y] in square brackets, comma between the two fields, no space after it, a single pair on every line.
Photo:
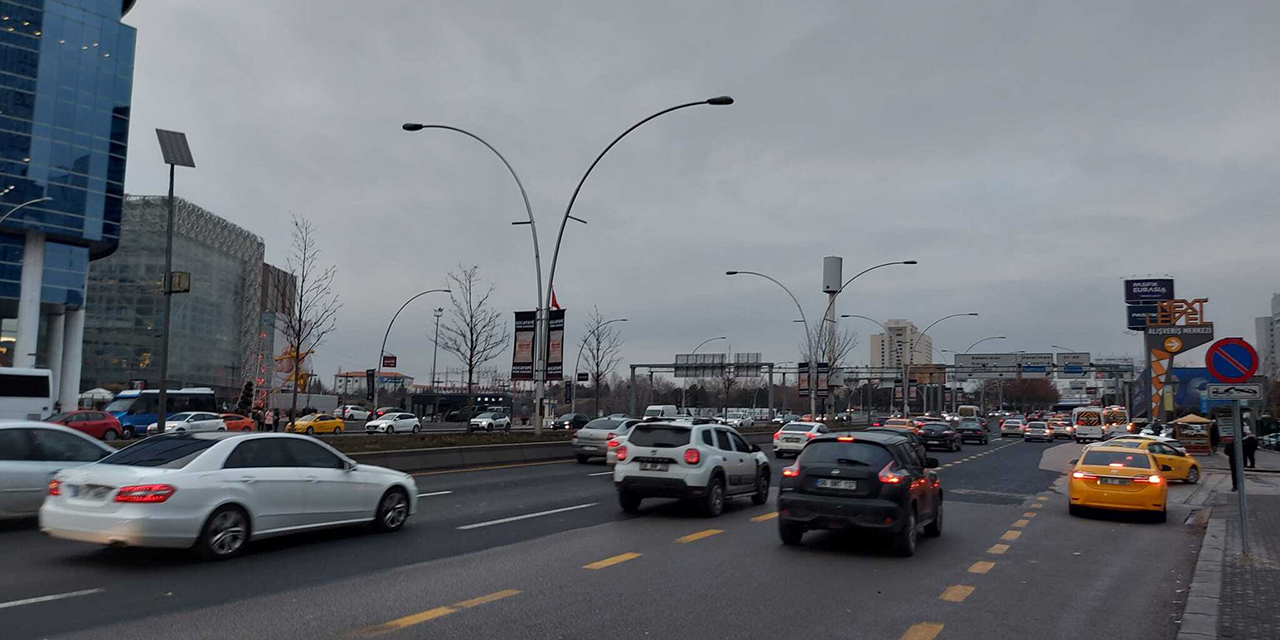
[968,411]
[1088,423]
[660,411]
[26,394]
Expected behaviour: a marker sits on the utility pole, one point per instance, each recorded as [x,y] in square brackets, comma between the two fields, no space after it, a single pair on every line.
[435,347]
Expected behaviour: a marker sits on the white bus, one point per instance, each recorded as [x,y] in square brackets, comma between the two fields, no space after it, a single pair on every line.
[26,394]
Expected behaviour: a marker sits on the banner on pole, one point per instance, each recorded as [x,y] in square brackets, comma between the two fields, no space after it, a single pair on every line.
[555,345]
[522,355]
[802,379]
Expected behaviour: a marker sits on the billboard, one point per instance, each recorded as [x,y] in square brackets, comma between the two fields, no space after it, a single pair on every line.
[1143,290]
[522,355]
[1138,315]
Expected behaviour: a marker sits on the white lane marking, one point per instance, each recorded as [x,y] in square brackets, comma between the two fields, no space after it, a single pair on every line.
[526,516]
[602,473]
[434,493]
[56,596]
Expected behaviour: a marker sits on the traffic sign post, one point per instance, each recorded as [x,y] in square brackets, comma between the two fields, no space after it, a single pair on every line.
[1232,361]
[1234,391]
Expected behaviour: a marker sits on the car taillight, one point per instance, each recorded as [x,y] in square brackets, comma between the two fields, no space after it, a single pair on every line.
[1083,474]
[55,488]
[691,456]
[614,443]
[889,476]
[844,439]
[791,471]
[811,435]
[145,493]
[1149,479]
[777,434]
[875,424]
[622,454]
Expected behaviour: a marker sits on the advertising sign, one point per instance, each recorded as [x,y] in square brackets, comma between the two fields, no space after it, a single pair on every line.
[555,345]
[1148,289]
[802,379]
[522,355]
[368,384]
[824,374]
[388,362]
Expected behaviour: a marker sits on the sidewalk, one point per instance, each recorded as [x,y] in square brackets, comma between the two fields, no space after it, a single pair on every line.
[1268,461]
[1233,596]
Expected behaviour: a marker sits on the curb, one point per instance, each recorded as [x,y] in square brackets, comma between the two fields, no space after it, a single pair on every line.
[1200,615]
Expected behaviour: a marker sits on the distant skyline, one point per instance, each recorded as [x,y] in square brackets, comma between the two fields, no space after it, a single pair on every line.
[1030,157]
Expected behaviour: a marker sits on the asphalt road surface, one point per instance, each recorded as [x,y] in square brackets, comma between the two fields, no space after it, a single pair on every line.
[543,550]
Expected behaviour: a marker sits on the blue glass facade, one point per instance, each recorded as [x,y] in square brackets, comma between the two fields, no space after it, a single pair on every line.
[66,75]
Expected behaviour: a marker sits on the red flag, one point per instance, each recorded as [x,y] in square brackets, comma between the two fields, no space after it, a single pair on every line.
[554,303]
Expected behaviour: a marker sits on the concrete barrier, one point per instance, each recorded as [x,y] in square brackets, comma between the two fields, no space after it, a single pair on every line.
[431,459]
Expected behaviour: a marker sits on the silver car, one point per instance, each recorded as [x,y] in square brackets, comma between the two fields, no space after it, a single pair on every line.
[1038,431]
[600,436]
[32,453]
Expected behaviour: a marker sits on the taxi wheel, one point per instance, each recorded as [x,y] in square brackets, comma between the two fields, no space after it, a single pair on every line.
[1193,475]
[337,431]
[1075,510]
[310,431]
[1160,517]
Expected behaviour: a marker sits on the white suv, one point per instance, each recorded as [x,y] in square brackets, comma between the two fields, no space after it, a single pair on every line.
[690,461]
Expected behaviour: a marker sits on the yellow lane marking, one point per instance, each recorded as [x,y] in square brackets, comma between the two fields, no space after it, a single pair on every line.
[1037,505]
[1011,535]
[432,614]
[923,631]
[491,468]
[946,465]
[767,516]
[1042,498]
[998,549]
[693,537]
[1029,514]
[609,562]
[981,566]
[956,593]
[1021,523]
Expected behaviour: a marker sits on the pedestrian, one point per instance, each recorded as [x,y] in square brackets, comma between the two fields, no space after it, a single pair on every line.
[1250,450]
[1230,450]
[269,420]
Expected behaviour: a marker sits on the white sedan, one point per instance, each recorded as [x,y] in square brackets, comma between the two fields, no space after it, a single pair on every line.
[490,421]
[792,437]
[189,421]
[739,420]
[216,492]
[30,453]
[393,423]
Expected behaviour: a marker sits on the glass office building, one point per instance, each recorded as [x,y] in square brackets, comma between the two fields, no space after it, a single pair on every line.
[66,75]
[215,328]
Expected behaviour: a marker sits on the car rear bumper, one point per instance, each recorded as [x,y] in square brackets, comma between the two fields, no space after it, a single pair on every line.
[788,447]
[964,437]
[588,448]
[644,487]
[941,444]
[824,512]
[120,528]
[1150,498]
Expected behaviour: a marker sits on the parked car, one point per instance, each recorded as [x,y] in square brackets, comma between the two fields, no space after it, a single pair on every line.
[381,411]
[490,421]
[315,423]
[217,492]
[98,424]
[739,419]
[1038,431]
[941,436]
[791,438]
[867,481]
[971,430]
[237,422]
[1118,479]
[393,423]
[189,421]
[599,437]
[351,412]
[570,421]
[706,463]
[32,453]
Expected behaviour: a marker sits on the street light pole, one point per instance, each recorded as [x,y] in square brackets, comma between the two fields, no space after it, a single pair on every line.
[684,389]
[435,346]
[174,149]
[897,347]
[808,338]
[906,372]
[383,350]
[573,397]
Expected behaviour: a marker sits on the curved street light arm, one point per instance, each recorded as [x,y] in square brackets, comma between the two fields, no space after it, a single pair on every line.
[808,337]
[27,203]
[383,350]
[695,349]
[850,280]
[984,340]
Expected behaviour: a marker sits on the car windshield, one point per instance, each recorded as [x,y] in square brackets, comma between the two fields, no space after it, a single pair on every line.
[168,452]
[1136,460]
[798,426]
[934,428]
[658,435]
[57,417]
[967,424]
[1037,425]
[567,417]
[834,452]
[120,405]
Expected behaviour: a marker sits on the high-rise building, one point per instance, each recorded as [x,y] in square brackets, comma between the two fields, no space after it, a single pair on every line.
[66,76]
[1268,330]
[214,329]
[888,350]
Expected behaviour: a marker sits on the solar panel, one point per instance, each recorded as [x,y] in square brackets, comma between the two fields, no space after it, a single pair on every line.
[173,145]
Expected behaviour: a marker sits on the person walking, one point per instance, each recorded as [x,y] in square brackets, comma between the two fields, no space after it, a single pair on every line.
[1250,450]
[1230,450]
[269,420]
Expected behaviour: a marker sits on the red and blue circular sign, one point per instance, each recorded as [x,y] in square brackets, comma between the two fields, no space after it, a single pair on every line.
[1231,361]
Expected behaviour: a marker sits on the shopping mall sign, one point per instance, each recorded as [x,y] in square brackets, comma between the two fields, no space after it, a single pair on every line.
[1176,326]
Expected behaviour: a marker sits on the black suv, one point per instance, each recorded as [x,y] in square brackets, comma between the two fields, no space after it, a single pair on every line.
[971,429]
[866,481]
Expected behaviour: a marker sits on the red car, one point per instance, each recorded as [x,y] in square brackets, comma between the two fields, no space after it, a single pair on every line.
[98,424]
[237,422]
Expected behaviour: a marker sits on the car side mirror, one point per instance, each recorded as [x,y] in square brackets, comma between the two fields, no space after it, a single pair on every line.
[755,448]
[1165,467]
[1075,461]
[931,463]
[348,465]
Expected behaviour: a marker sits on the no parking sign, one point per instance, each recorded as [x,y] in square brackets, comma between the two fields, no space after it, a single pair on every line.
[1231,360]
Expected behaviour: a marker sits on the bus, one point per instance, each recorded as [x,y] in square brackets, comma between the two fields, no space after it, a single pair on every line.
[26,393]
[135,409]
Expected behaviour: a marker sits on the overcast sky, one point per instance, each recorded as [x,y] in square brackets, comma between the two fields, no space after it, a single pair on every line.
[1029,155]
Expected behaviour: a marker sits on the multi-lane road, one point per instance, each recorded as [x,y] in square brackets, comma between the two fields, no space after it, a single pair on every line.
[538,551]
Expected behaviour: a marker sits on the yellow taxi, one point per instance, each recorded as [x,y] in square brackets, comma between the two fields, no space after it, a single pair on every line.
[1174,464]
[315,423]
[1117,478]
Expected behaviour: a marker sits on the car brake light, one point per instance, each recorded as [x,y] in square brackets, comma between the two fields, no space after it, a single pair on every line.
[55,488]
[1148,479]
[875,424]
[691,456]
[791,471]
[145,493]
[777,434]
[1083,474]
[811,435]
[622,454]
[612,436]
[844,439]
[614,443]
[889,476]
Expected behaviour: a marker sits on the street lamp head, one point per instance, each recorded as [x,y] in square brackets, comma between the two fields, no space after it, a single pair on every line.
[720,100]
[731,273]
[910,262]
[412,126]
[971,314]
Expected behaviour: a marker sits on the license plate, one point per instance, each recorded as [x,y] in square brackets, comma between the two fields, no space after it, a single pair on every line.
[90,491]
[653,466]
[1119,481]
[846,485]
[588,447]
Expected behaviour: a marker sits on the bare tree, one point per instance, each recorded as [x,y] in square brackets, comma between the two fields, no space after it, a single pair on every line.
[728,379]
[308,304]
[602,348]
[475,332]
[831,346]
